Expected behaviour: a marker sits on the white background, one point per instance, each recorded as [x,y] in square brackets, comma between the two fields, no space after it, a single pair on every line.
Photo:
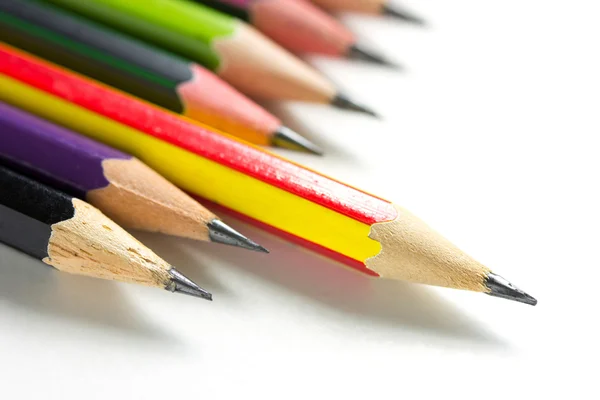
[490,136]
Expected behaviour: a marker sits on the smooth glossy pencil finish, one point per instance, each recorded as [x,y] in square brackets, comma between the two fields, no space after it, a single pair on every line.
[373,7]
[299,26]
[365,232]
[122,187]
[142,70]
[72,236]
[233,49]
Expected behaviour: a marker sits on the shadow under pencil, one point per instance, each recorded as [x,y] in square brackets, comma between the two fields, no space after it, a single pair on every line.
[401,305]
[294,116]
[190,263]
[27,283]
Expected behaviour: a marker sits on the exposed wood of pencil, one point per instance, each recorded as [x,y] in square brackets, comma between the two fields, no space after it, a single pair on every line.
[138,197]
[135,67]
[359,6]
[299,26]
[124,188]
[260,68]
[236,51]
[73,236]
[364,231]
[121,186]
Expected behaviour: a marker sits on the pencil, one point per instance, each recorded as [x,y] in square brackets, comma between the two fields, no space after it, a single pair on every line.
[72,236]
[373,7]
[299,26]
[365,232]
[142,70]
[122,187]
[234,50]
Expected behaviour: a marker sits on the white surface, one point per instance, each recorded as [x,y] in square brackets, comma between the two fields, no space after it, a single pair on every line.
[490,137]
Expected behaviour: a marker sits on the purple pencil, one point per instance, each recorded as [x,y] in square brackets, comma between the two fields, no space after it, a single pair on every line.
[121,186]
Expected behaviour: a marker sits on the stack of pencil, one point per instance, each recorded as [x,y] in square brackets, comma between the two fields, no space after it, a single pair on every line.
[111,110]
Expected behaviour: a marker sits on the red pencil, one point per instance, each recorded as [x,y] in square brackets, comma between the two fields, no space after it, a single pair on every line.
[299,26]
[366,232]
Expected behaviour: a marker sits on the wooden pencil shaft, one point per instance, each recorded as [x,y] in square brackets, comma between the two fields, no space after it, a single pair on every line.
[93,50]
[74,237]
[237,52]
[374,235]
[71,235]
[122,187]
[274,177]
[360,6]
[297,25]
[133,66]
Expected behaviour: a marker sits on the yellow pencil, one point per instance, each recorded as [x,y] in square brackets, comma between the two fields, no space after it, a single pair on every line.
[366,232]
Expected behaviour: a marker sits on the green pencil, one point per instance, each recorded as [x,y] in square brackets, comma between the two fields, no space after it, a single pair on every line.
[233,49]
[143,70]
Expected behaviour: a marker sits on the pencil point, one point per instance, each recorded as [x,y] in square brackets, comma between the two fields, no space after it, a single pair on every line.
[343,102]
[179,283]
[288,139]
[500,287]
[403,15]
[219,232]
[356,52]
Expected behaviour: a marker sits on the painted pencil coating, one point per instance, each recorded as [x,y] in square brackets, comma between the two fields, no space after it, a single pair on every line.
[376,236]
[185,21]
[74,237]
[260,201]
[238,53]
[27,211]
[119,185]
[296,25]
[38,143]
[240,3]
[173,40]
[194,137]
[131,65]
[225,171]
[26,234]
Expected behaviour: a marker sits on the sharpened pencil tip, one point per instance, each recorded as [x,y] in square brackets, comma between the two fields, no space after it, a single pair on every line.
[343,102]
[219,232]
[393,11]
[357,52]
[500,287]
[286,138]
[179,283]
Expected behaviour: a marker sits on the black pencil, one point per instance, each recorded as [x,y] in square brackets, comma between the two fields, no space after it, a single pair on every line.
[72,236]
[145,71]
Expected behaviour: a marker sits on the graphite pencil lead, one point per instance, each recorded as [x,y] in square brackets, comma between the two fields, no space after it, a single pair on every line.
[500,287]
[219,232]
[403,15]
[343,102]
[288,139]
[179,283]
[356,52]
